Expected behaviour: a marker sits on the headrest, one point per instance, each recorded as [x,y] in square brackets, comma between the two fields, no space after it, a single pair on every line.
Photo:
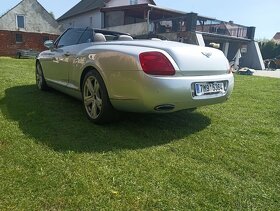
[125,38]
[98,37]
[156,39]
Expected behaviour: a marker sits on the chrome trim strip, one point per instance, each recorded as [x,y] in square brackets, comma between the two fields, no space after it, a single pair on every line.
[64,84]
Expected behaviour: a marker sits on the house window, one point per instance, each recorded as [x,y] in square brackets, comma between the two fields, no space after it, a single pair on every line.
[19,38]
[132,2]
[20,21]
[90,21]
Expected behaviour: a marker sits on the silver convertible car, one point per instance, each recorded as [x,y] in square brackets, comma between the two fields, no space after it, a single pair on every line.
[110,71]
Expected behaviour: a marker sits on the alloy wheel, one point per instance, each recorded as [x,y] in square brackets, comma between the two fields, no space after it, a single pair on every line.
[92,97]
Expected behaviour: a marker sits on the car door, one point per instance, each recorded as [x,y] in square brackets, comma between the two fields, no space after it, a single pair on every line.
[60,62]
[84,42]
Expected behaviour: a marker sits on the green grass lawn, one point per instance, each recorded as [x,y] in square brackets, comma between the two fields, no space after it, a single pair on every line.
[220,157]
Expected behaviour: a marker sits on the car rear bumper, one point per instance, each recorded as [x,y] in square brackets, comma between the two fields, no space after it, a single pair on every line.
[168,94]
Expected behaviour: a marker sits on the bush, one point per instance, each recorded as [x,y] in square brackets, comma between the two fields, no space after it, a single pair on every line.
[269,49]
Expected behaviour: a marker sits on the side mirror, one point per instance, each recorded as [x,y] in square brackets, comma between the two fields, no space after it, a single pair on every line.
[49,44]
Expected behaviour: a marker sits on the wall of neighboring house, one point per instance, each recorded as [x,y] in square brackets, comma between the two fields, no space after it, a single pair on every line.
[93,19]
[35,17]
[96,19]
[253,58]
[9,43]
[117,3]
[26,26]
[114,18]
[132,29]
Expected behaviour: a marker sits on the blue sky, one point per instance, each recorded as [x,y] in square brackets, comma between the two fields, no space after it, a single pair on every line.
[265,15]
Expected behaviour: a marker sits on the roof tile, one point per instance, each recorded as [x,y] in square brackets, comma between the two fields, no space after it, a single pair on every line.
[82,7]
[277,36]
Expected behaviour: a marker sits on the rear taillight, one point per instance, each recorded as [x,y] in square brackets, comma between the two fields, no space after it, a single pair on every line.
[156,63]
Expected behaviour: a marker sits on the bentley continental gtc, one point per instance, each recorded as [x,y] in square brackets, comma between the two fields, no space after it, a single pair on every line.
[110,71]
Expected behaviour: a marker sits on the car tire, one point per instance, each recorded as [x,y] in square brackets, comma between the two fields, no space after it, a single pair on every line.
[96,103]
[40,79]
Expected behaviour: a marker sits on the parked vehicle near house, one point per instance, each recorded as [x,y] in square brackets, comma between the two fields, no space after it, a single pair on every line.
[26,54]
[272,63]
[110,71]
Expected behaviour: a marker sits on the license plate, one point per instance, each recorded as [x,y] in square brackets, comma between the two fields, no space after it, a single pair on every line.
[209,88]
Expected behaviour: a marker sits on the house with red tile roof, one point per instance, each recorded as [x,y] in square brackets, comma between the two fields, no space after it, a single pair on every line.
[276,37]
[26,26]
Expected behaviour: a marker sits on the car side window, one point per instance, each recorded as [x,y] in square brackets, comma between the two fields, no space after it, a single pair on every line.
[70,37]
[87,36]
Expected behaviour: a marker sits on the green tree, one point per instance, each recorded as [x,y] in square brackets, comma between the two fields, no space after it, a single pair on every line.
[269,49]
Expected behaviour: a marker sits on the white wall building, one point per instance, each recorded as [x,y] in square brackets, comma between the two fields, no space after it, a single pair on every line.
[87,13]
[142,18]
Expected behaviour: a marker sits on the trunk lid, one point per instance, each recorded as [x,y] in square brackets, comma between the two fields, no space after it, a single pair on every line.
[198,61]
[192,60]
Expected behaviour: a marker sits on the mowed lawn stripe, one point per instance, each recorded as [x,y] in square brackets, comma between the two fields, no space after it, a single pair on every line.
[223,156]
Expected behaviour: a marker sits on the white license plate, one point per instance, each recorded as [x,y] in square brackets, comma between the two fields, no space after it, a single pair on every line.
[209,88]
